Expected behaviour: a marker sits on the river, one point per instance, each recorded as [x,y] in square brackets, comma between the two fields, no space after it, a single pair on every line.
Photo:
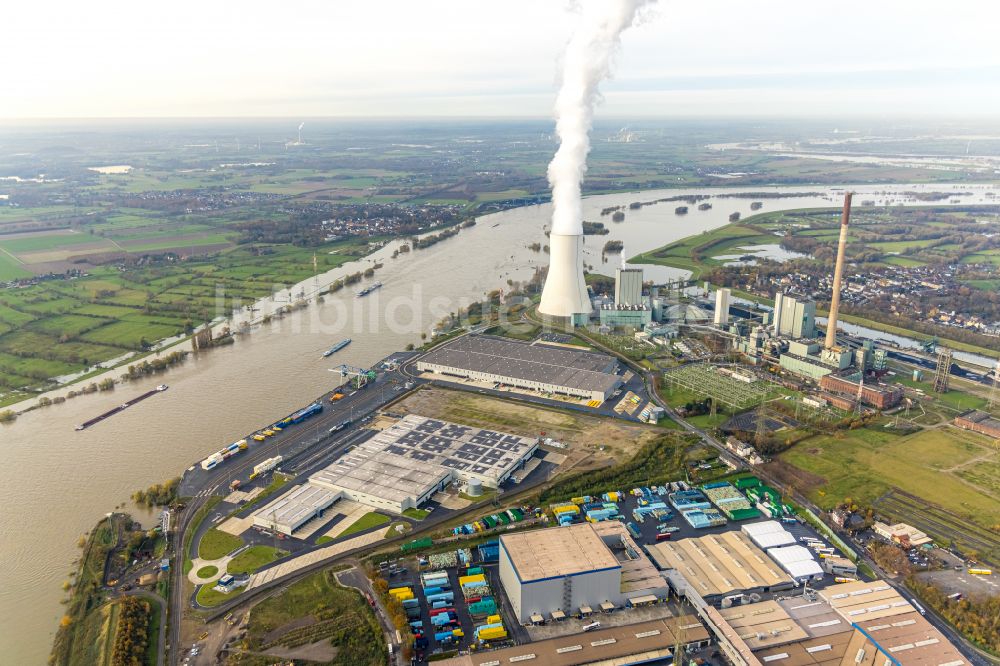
[56,483]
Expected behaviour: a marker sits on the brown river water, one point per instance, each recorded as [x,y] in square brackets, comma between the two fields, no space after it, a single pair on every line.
[56,483]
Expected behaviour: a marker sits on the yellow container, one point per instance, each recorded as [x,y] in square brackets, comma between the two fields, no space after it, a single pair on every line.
[494,619]
[475,578]
[493,633]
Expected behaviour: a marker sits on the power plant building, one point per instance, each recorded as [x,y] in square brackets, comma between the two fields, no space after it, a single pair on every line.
[848,383]
[980,422]
[628,286]
[722,307]
[794,316]
[622,316]
[808,359]
[562,569]
[537,367]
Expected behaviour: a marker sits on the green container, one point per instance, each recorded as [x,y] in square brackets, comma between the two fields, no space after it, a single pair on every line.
[417,544]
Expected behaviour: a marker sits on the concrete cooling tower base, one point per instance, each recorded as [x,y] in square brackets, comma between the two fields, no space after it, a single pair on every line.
[565,292]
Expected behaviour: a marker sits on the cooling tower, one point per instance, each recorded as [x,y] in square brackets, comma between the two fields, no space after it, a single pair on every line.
[565,292]
[838,275]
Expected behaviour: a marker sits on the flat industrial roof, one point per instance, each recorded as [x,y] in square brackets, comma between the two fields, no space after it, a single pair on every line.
[416,453]
[296,506]
[557,551]
[763,624]
[829,630]
[860,601]
[640,642]
[719,563]
[909,637]
[581,370]
[638,573]
[390,477]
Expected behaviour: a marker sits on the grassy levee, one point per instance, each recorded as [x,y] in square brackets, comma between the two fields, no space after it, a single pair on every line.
[86,619]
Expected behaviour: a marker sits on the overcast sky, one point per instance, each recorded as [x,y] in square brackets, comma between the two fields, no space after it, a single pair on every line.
[467,58]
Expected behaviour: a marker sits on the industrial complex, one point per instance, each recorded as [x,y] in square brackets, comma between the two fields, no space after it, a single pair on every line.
[401,467]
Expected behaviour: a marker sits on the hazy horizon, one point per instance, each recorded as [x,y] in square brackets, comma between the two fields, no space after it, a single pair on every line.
[445,58]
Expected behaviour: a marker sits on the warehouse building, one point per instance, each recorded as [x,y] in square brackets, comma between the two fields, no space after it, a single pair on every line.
[644,642]
[798,562]
[768,534]
[561,569]
[542,368]
[718,565]
[980,422]
[295,508]
[402,466]
[856,624]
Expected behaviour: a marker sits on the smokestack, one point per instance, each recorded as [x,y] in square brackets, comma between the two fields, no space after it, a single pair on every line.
[586,62]
[838,274]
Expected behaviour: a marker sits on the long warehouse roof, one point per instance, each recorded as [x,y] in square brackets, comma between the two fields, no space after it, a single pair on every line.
[536,363]
[719,563]
[629,644]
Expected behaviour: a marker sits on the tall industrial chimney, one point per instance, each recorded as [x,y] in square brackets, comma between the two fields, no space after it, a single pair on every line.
[565,291]
[838,274]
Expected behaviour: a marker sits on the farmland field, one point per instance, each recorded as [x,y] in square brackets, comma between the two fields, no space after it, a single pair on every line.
[945,465]
[60,327]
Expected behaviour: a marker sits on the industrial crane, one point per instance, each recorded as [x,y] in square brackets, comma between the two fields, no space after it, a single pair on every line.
[360,375]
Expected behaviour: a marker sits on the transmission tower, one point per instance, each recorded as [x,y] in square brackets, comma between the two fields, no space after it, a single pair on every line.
[994,398]
[857,399]
[943,371]
[761,434]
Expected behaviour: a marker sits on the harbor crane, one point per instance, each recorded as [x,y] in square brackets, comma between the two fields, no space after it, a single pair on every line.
[360,375]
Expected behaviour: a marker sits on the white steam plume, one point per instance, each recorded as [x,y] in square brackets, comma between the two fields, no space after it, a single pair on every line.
[586,62]
[301,125]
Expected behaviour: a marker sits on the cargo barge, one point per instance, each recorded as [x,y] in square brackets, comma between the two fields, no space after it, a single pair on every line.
[368,290]
[336,348]
[121,407]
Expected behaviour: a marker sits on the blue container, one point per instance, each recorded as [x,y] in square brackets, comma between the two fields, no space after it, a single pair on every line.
[439,604]
[443,596]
